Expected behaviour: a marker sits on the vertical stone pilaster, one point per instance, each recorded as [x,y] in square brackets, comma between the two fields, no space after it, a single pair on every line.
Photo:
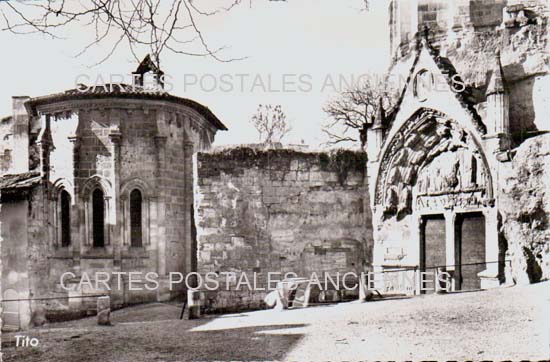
[372,172]
[75,219]
[108,227]
[20,161]
[160,144]
[44,143]
[450,244]
[375,139]
[490,277]
[190,252]
[450,219]
[116,230]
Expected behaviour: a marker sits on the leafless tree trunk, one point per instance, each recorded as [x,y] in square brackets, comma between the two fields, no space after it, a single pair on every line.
[354,109]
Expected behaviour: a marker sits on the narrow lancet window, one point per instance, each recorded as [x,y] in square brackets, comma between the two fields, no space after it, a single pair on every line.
[136,219]
[98,218]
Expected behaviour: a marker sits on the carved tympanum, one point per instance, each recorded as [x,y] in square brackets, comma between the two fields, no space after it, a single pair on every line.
[429,155]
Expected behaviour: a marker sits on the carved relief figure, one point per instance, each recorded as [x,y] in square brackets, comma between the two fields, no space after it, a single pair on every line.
[405,200]
[434,155]
[453,177]
[390,204]
[450,172]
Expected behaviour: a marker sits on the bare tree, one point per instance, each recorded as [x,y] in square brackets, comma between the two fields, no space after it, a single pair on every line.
[271,123]
[355,108]
[158,26]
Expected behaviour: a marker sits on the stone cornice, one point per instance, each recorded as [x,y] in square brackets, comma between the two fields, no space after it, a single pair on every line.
[61,105]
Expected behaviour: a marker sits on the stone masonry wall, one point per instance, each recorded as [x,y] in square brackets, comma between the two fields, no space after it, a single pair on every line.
[479,30]
[525,207]
[15,275]
[260,211]
[6,148]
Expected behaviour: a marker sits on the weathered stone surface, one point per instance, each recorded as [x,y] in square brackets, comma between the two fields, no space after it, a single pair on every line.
[38,316]
[261,211]
[104,311]
[525,210]
[193,304]
[467,34]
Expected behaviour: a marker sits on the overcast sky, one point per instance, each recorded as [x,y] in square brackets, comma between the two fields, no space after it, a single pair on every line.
[299,53]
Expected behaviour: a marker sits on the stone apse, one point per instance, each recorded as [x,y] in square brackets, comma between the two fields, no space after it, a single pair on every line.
[98,180]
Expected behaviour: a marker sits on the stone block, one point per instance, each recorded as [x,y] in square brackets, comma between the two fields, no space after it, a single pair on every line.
[104,311]
[204,256]
[303,176]
[194,304]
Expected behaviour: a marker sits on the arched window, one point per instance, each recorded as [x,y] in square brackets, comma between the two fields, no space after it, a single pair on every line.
[65,206]
[136,239]
[98,218]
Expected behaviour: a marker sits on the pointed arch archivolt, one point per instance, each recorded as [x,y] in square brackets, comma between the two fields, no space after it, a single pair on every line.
[430,155]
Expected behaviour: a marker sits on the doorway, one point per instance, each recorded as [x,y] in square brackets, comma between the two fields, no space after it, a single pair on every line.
[469,250]
[432,247]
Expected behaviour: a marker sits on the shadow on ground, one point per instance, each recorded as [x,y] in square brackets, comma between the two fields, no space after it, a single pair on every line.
[153,333]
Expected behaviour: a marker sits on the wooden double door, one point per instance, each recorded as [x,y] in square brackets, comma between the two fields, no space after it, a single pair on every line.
[469,248]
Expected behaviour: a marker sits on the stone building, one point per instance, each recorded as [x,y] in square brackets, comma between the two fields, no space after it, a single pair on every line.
[474,86]
[94,179]
[109,178]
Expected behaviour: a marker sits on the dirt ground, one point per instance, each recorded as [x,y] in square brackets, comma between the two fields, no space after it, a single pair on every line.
[501,324]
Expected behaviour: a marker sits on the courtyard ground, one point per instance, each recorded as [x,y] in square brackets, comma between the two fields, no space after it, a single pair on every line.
[502,324]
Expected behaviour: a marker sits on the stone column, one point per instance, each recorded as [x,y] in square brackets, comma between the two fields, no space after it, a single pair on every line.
[116,230]
[490,277]
[190,259]
[160,143]
[450,242]
[75,215]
